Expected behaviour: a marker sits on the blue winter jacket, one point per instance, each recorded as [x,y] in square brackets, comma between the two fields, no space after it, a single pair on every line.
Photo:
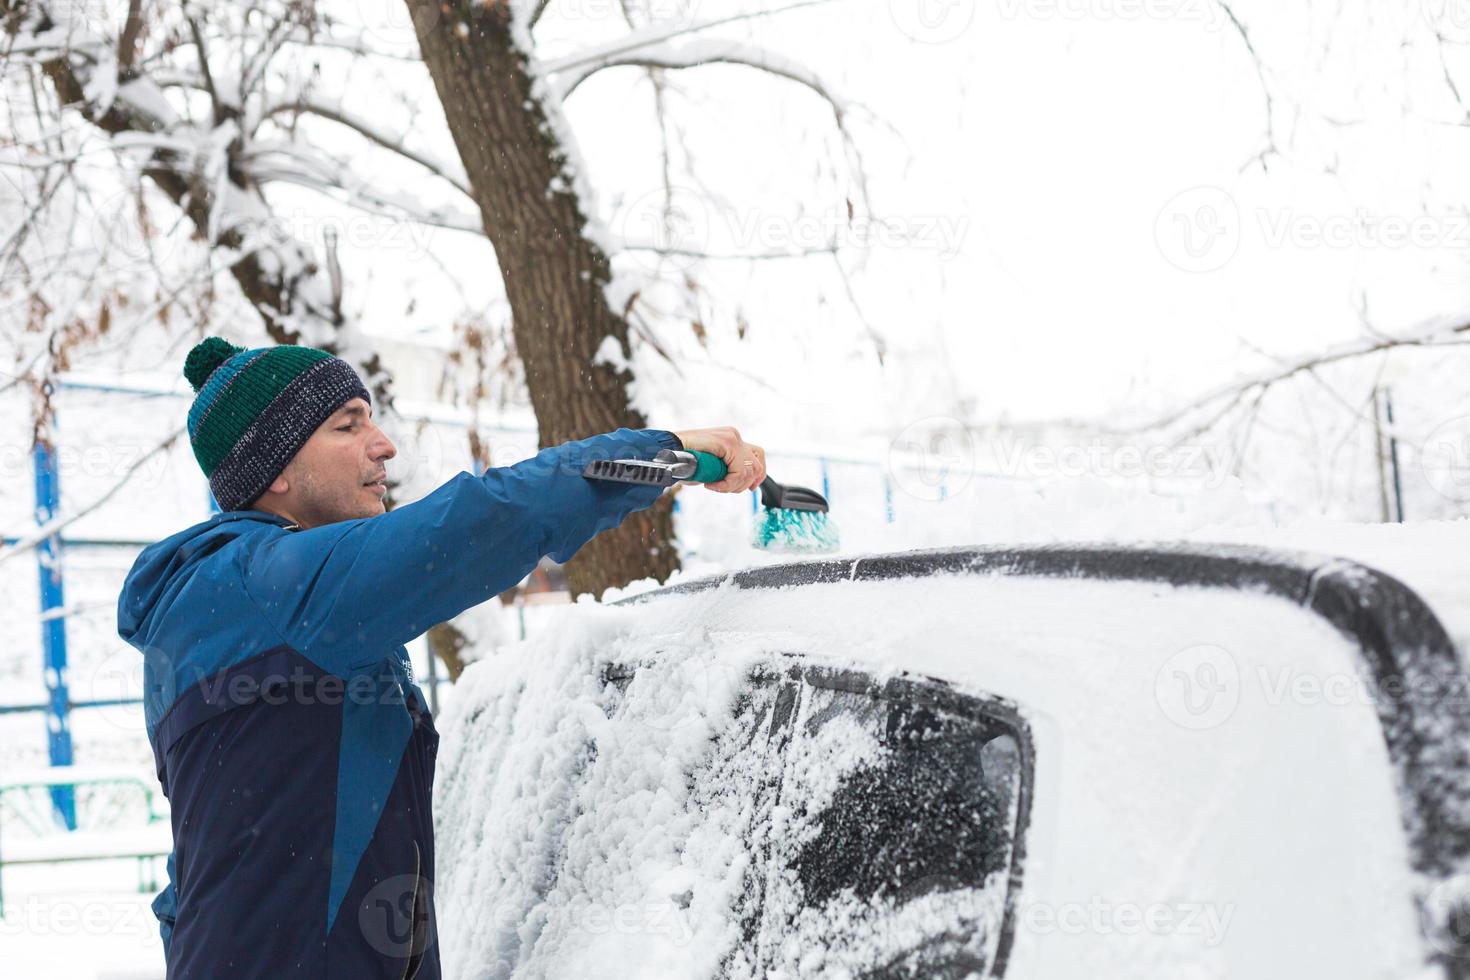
[289,736]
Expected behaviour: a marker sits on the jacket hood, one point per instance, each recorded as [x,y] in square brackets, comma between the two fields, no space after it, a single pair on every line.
[163,567]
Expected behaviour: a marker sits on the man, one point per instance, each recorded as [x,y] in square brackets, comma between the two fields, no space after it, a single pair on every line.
[288,733]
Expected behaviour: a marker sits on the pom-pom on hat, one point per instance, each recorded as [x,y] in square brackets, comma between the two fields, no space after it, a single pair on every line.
[254,409]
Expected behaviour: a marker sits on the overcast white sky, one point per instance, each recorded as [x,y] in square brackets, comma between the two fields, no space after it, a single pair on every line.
[1086,226]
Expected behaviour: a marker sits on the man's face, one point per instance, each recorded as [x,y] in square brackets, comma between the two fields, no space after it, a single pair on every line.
[338,474]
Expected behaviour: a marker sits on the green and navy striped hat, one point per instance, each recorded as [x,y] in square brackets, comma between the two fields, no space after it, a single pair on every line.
[256,408]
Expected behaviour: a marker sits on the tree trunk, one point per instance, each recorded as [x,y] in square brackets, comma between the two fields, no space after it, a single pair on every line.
[554,275]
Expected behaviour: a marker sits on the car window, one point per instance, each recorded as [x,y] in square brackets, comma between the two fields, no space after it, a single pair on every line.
[884,825]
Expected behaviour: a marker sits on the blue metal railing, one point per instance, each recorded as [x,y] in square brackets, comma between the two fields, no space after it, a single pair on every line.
[53,628]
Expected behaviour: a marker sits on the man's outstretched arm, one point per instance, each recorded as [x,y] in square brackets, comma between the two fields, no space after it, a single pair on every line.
[334,591]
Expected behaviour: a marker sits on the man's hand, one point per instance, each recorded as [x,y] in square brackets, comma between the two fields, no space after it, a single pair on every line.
[746,462]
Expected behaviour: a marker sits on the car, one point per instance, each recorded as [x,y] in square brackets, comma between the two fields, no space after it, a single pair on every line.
[1149,760]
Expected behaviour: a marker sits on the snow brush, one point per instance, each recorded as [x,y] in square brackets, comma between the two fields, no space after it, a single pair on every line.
[790,519]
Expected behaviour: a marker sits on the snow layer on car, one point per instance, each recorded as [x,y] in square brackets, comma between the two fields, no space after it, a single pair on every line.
[1429,557]
[1213,796]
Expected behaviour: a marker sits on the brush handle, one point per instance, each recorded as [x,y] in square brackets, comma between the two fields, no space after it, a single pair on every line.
[694,466]
[708,468]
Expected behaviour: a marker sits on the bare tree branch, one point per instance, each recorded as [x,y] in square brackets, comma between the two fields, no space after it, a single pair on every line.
[204,71]
[659,33]
[1270,147]
[454,176]
[710,52]
[268,162]
[127,44]
[694,253]
[1451,330]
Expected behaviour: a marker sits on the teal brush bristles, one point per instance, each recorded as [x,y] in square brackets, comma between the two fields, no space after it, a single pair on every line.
[794,530]
[793,519]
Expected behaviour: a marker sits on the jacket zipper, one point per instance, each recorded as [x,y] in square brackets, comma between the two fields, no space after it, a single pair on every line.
[413,920]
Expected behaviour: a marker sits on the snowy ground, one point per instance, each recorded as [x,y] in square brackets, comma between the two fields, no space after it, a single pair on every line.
[79,922]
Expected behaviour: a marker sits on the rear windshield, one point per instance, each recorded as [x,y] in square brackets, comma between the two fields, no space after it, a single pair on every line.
[885,826]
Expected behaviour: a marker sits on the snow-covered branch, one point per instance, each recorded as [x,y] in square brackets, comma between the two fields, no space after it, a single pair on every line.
[670,54]
[694,253]
[1451,329]
[197,166]
[704,51]
[453,173]
[658,34]
[271,161]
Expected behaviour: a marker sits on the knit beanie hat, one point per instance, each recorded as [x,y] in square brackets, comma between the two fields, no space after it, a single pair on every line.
[256,408]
